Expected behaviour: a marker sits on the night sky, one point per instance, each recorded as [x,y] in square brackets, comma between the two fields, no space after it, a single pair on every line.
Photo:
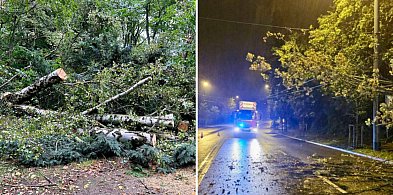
[222,46]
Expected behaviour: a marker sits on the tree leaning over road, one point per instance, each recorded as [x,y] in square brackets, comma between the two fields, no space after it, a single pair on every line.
[337,56]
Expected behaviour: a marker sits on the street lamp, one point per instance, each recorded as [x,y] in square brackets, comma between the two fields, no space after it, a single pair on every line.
[206,84]
[205,87]
[237,97]
[267,86]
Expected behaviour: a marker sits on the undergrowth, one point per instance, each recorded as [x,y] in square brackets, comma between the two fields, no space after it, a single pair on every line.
[33,143]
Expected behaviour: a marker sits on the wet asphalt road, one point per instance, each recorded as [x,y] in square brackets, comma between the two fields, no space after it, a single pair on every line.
[269,163]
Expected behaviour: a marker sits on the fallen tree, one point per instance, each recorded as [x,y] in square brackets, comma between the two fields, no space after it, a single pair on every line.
[167,120]
[119,134]
[31,110]
[123,135]
[26,93]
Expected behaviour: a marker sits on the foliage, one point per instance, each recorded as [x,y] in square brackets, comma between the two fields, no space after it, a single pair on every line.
[137,171]
[387,155]
[231,104]
[144,155]
[185,154]
[104,46]
[386,114]
[57,147]
[336,58]
[209,112]
[165,164]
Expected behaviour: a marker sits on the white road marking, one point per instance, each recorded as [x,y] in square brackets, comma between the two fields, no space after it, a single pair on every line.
[202,170]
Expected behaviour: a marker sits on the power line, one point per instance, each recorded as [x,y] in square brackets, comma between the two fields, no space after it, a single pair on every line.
[254,24]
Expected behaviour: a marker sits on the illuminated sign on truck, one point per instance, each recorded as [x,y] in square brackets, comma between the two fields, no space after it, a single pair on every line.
[245,105]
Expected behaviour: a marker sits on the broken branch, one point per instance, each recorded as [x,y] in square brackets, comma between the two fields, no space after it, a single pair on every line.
[88,111]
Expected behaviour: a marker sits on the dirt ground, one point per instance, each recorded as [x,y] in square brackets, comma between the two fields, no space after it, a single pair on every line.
[105,176]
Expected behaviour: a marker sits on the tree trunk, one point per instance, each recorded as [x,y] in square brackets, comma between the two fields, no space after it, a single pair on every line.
[167,120]
[124,135]
[27,92]
[147,9]
[31,110]
[88,111]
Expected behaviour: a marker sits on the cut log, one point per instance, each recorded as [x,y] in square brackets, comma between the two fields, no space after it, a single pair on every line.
[27,92]
[124,135]
[183,126]
[167,120]
[88,111]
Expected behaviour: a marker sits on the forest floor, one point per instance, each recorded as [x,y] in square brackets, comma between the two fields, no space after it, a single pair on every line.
[103,176]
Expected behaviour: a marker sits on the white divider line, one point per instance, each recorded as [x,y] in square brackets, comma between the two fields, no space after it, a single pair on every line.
[332,184]
[340,149]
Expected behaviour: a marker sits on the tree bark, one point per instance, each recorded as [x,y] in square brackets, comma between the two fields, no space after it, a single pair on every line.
[147,9]
[27,92]
[88,111]
[124,135]
[167,120]
[31,110]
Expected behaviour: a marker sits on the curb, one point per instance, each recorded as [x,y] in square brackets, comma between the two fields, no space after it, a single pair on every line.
[340,149]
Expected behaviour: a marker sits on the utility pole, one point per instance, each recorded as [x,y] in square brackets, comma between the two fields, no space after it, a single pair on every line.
[376,137]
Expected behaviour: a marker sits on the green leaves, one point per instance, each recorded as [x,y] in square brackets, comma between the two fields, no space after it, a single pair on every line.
[102,45]
[337,55]
[185,154]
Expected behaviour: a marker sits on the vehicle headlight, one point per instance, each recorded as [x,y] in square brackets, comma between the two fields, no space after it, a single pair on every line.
[254,129]
[237,129]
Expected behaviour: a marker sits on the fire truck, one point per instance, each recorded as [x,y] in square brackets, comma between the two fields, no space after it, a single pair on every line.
[246,118]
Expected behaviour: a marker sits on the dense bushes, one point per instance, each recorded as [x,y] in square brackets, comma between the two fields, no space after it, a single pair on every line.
[57,148]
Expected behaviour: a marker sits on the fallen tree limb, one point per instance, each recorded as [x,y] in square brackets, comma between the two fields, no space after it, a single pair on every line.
[29,91]
[124,135]
[167,120]
[31,110]
[13,77]
[8,81]
[88,111]
[167,136]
